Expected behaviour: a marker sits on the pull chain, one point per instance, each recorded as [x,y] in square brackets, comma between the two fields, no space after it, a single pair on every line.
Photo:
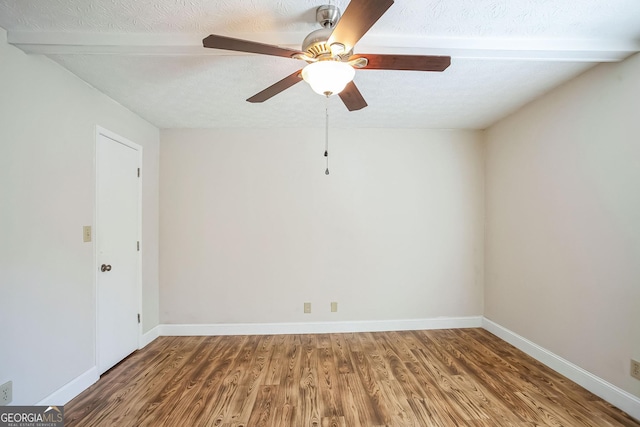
[326,135]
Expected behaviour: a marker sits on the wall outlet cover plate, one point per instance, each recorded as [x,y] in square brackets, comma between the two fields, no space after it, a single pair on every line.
[6,393]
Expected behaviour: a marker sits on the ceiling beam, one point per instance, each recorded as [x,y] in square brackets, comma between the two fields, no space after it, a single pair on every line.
[59,43]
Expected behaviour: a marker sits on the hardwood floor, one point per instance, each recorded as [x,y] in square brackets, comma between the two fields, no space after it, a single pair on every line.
[460,377]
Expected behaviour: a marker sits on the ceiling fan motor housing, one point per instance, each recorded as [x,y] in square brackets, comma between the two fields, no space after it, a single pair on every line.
[315,44]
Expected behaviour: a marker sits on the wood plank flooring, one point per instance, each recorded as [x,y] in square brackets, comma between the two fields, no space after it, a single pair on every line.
[460,377]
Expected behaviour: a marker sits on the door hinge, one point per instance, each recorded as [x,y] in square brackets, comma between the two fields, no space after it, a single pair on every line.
[138,317]
[138,172]
[138,245]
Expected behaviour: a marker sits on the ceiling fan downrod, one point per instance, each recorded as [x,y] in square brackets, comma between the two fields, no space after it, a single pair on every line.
[327,15]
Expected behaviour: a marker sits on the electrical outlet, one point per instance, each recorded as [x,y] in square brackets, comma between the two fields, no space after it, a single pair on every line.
[635,369]
[6,394]
[334,307]
[307,307]
[86,233]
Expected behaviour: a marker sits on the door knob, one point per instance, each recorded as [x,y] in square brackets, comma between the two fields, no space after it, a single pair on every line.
[105,267]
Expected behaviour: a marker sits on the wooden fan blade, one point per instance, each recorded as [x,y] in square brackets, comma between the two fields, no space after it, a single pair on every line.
[352,97]
[228,43]
[356,20]
[276,88]
[404,62]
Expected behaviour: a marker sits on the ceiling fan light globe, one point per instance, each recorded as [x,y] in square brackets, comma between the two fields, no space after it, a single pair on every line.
[328,77]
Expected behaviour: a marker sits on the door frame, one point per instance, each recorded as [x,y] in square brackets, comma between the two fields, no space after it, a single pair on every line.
[96,265]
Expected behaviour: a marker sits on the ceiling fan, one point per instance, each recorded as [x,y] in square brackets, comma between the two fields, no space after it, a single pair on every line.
[329,53]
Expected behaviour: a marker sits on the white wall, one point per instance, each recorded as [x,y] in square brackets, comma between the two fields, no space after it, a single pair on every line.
[563,222]
[47,193]
[251,227]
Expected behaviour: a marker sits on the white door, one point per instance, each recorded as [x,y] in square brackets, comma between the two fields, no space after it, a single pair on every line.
[117,236]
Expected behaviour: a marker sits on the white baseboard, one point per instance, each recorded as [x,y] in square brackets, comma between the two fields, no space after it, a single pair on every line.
[607,391]
[70,390]
[320,327]
[148,337]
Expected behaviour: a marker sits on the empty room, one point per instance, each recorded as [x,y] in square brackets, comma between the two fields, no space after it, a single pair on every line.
[335,213]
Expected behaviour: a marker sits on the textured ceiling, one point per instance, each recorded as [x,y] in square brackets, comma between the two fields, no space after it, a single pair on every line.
[147,55]
[439,18]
